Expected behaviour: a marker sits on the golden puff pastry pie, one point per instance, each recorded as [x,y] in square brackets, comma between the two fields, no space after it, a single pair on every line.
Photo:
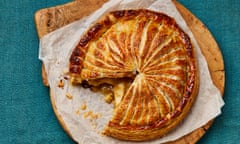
[143,62]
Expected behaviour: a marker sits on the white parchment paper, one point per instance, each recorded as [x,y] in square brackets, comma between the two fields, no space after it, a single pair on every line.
[55,50]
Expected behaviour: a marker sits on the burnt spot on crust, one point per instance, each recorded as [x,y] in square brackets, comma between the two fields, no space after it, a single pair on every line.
[85,84]
[94,30]
[131,13]
[107,21]
[75,60]
[84,40]
[118,14]
[77,52]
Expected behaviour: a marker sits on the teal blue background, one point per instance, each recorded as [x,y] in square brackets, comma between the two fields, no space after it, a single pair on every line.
[26,115]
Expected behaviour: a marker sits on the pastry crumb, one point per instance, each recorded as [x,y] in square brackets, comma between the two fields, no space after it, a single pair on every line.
[61,84]
[78,112]
[84,106]
[92,116]
[69,96]
[109,98]
[87,114]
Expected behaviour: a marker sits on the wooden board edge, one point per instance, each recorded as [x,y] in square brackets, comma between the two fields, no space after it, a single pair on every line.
[59,117]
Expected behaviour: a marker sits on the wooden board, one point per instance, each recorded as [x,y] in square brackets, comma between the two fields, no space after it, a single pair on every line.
[50,19]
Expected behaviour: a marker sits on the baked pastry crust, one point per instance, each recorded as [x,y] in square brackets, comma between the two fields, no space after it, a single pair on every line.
[151,49]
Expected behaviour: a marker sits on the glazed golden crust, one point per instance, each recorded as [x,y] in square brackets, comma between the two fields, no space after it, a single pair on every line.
[150,48]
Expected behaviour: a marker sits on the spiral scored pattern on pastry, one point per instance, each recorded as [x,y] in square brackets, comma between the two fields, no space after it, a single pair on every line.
[150,48]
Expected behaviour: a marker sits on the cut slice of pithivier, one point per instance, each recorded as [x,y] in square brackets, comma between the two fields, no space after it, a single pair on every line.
[147,65]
